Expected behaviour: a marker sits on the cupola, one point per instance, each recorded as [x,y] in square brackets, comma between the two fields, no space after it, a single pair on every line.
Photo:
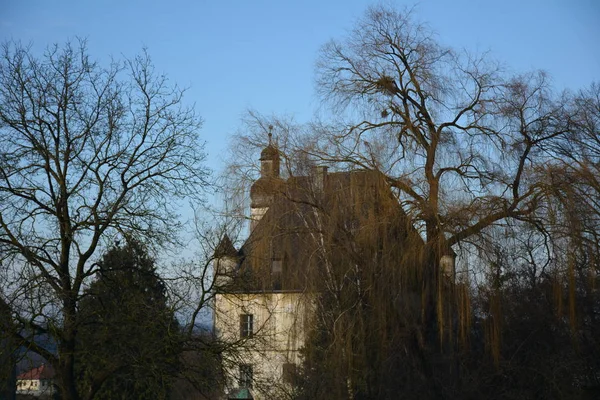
[264,191]
[269,160]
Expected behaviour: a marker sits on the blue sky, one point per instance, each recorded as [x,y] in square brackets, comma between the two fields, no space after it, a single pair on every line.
[236,55]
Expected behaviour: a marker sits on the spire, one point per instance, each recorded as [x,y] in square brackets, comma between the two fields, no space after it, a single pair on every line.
[270,134]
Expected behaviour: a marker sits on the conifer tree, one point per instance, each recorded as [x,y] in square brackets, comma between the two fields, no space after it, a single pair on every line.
[129,343]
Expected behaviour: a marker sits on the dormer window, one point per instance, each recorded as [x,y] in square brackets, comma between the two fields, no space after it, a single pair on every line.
[276,273]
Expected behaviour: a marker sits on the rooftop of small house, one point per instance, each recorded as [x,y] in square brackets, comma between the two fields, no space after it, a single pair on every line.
[42,372]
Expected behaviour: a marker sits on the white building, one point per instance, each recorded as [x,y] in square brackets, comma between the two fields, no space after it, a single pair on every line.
[37,382]
[267,303]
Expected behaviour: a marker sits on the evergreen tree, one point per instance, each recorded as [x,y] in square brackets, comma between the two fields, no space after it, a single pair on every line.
[129,345]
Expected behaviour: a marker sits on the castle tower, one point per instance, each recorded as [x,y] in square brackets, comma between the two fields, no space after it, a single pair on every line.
[264,191]
[225,262]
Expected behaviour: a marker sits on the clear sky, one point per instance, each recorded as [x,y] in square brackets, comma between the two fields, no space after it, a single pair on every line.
[235,55]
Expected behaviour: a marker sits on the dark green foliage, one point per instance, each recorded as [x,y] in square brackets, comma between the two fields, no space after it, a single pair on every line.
[8,350]
[200,376]
[129,339]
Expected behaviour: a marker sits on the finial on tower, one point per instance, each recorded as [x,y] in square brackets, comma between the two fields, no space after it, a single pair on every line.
[264,191]
[270,133]
[269,158]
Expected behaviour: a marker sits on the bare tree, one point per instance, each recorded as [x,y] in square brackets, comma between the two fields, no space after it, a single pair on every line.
[461,143]
[473,156]
[86,152]
[573,178]
[458,140]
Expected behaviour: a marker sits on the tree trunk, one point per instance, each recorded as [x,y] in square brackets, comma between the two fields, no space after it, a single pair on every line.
[66,353]
[67,382]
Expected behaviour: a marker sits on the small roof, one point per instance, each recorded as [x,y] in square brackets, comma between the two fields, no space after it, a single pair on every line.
[42,372]
[225,248]
[269,153]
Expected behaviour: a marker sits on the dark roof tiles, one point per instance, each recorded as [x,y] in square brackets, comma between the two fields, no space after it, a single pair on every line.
[225,248]
[357,205]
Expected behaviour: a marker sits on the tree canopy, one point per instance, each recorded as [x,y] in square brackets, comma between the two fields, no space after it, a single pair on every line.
[129,342]
[87,153]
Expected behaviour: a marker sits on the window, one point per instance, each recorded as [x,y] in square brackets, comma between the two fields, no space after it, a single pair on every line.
[246,325]
[245,376]
[276,271]
[289,373]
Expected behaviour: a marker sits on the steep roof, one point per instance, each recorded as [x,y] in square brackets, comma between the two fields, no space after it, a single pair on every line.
[42,372]
[225,248]
[264,190]
[319,219]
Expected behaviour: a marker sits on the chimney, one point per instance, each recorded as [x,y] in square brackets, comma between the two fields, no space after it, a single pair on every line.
[320,177]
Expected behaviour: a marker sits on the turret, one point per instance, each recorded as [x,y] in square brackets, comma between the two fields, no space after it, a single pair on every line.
[264,191]
[269,161]
[226,260]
